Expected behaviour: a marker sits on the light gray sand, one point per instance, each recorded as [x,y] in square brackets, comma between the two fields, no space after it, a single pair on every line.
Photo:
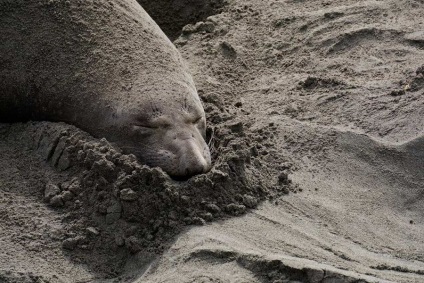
[342,84]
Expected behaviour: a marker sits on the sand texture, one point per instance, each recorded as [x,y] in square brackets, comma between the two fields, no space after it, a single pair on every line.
[315,115]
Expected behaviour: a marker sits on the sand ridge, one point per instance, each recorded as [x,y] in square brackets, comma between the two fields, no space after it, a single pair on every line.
[328,95]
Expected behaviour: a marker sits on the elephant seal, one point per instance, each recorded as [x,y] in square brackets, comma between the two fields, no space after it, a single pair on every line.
[107,68]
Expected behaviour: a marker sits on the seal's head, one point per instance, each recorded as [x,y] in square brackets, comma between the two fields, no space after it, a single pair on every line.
[167,131]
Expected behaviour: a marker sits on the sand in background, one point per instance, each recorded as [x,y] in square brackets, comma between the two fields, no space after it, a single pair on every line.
[331,92]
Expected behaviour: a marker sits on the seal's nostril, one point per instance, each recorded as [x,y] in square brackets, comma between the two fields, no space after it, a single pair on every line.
[194,169]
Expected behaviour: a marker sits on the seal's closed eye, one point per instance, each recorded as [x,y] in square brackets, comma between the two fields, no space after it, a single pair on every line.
[156,123]
[145,126]
[142,130]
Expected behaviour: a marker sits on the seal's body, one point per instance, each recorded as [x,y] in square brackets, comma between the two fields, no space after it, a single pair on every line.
[107,68]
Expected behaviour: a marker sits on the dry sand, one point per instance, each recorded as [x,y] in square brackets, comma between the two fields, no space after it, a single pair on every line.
[330,92]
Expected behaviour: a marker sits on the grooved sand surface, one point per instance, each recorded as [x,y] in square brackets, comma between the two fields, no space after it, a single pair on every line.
[333,92]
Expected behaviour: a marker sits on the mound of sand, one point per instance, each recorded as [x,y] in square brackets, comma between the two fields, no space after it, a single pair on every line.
[111,205]
[329,95]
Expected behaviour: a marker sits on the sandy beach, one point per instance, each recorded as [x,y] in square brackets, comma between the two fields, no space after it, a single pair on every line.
[315,115]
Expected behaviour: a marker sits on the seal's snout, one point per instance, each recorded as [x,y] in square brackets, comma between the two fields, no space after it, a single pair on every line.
[194,158]
[196,164]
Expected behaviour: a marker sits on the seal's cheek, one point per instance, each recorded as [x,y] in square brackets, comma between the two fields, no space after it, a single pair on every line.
[141,141]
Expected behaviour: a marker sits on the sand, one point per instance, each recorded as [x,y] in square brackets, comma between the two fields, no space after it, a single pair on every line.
[316,115]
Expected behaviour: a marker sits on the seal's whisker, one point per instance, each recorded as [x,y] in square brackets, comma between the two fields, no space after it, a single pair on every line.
[211,143]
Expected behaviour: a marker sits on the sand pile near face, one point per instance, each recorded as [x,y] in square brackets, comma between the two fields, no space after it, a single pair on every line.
[113,207]
[335,85]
